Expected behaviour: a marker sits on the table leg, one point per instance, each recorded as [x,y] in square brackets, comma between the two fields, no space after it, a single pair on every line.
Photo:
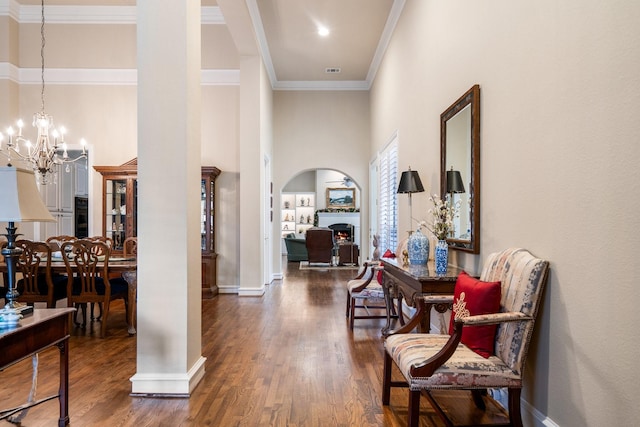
[132,281]
[388,301]
[425,321]
[63,391]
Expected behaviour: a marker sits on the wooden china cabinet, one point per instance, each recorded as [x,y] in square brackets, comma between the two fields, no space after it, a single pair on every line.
[120,214]
[119,202]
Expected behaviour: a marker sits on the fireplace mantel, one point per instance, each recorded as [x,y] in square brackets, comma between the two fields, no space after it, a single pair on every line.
[325,219]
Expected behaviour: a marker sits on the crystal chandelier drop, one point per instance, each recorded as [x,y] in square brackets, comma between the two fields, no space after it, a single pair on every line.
[50,148]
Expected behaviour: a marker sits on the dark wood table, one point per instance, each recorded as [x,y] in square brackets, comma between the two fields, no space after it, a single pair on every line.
[35,333]
[348,253]
[125,266]
[410,283]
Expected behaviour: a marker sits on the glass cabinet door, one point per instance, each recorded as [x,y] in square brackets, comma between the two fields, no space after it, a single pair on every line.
[133,215]
[203,215]
[116,210]
[207,185]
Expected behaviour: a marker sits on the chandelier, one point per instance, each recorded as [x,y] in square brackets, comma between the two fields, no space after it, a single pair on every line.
[50,148]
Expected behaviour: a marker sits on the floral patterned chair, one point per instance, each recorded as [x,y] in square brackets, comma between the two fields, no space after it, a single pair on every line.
[432,361]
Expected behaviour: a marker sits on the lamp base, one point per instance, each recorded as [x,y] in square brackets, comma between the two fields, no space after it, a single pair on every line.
[11,254]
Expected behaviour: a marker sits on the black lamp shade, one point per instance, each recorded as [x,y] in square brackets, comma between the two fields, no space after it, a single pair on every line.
[410,182]
[454,182]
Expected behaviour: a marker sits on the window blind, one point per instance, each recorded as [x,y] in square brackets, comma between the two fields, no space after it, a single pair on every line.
[388,198]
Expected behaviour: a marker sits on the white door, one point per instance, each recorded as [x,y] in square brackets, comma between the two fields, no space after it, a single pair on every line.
[267,223]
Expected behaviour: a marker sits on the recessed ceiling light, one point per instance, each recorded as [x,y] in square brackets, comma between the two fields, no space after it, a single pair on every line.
[323,31]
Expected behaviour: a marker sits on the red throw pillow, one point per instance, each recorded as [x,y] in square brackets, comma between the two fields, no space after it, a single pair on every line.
[472,297]
[389,254]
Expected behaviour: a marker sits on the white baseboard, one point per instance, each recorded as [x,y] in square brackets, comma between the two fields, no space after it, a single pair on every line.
[163,384]
[251,292]
[538,418]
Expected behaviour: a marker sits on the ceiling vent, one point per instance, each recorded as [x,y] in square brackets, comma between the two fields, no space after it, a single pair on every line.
[332,70]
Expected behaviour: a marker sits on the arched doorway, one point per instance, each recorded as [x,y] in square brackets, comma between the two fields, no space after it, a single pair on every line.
[305,203]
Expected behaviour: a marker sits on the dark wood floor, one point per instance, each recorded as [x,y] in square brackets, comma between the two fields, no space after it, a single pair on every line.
[284,359]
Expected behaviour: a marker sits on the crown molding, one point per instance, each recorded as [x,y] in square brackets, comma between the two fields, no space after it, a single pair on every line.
[30,14]
[9,72]
[385,38]
[101,77]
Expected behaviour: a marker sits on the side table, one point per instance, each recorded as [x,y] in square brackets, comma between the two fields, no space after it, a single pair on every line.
[348,253]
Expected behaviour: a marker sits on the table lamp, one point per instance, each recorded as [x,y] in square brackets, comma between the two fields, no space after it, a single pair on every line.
[21,202]
[410,183]
[454,184]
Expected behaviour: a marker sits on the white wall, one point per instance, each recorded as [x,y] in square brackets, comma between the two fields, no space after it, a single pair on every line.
[560,87]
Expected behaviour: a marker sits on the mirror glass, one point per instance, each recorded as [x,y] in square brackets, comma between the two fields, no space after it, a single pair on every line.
[460,168]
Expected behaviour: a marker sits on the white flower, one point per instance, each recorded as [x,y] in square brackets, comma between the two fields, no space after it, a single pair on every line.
[442,215]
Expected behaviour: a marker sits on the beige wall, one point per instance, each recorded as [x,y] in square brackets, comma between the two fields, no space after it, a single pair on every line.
[559,126]
[105,111]
[79,46]
[320,130]
[220,106]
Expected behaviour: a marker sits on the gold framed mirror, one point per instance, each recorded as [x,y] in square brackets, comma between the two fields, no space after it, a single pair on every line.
[460,163]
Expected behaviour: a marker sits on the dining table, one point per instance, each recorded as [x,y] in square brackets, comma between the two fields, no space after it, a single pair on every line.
[127,267]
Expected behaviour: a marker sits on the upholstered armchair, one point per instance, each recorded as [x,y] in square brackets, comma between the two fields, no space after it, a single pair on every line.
[320,245]
[296,248]
[464,360]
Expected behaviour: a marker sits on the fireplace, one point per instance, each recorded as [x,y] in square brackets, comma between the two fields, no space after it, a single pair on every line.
[349,218]
[342,232]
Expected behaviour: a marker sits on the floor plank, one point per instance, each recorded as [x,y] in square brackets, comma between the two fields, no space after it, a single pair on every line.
[285,359]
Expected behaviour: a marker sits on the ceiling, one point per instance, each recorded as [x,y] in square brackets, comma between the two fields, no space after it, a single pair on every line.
[296,57]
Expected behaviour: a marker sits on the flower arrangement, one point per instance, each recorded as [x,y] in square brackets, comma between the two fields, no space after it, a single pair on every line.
[442,215]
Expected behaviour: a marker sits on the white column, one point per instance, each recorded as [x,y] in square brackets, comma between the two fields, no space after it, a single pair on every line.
[169,360]
[251,171]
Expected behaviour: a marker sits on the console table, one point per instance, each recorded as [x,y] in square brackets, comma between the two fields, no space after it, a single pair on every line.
[35,333]
[411,282]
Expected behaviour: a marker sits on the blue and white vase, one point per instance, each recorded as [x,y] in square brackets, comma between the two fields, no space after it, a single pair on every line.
[418,248]
[442,257]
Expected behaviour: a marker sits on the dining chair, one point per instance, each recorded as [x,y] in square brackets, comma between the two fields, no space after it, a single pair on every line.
[55,242]
[38,282]
[99,251]
[364,292]
[106,240]
[130,247]
[488,337]
[89,260]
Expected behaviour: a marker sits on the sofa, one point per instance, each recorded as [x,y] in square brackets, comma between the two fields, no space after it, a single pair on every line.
[296,248]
